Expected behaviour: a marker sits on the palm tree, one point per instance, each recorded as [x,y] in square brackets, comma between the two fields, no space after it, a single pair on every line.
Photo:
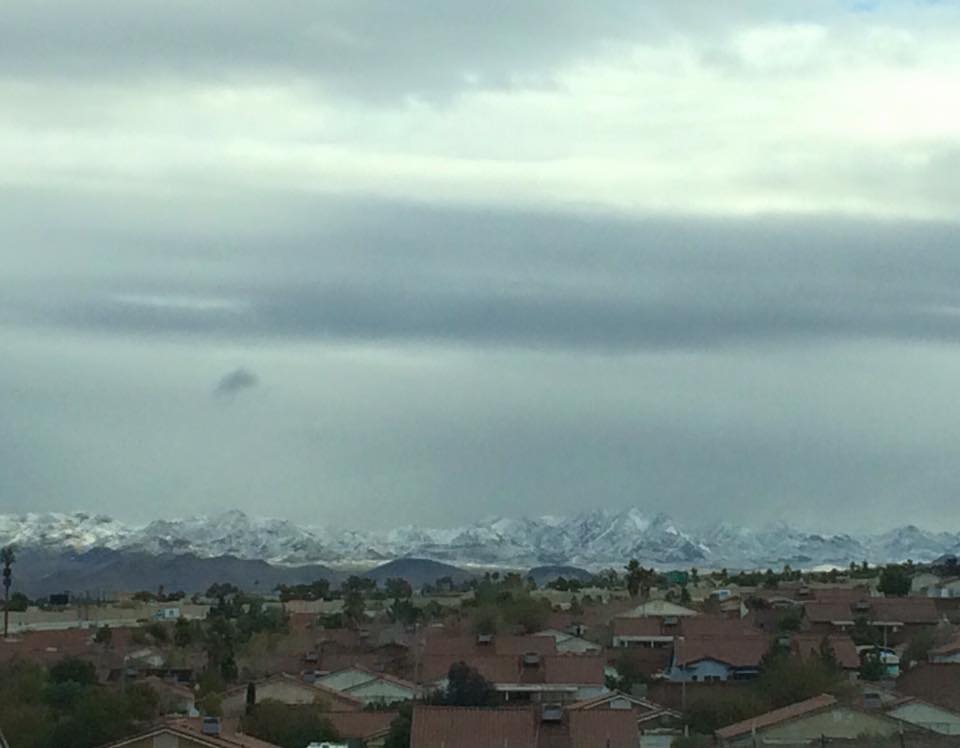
[7,558]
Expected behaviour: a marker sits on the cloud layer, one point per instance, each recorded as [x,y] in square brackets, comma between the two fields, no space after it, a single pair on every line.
[499,258]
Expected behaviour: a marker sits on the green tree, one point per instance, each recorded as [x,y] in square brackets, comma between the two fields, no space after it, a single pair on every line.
[354,607]
[894,581]
[74,670]
[919,646]
[104,636]
[289,725]
[8,558]
[863,633]
[639,579]
[399,735]
[18,603]
[467,687]
[182,632]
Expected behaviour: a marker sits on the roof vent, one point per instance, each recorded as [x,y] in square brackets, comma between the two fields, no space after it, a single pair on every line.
[531,659]
[210,726]
[552,713]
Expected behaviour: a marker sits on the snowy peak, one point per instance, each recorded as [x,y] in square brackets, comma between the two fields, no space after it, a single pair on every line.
[592,539]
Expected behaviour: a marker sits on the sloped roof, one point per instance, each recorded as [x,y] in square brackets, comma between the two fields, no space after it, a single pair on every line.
[659,608]
[808,645]
[647,627]
[934,682]
[468,727]
[341,699]
[361,725]
[190,729]
[827,612]
[777,716]
[602,728]
[904,610]
[736,651]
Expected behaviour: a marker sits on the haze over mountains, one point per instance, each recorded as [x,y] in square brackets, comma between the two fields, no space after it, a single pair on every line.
[593,539]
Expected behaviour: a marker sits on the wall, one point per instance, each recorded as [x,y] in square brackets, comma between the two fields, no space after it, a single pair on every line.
[703,671]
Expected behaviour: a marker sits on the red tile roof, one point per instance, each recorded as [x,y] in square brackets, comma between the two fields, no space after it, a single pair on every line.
[507,669]
[777,716]
[745,650]
[603,728]
[361,725]
[828,612]
[933,682]
[807,645]
[917,610]
[466,647]
[456,727]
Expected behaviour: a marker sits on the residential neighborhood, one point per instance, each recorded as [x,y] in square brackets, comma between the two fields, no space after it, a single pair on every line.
[773,658]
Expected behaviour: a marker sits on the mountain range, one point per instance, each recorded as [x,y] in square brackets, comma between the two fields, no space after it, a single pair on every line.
[593,539]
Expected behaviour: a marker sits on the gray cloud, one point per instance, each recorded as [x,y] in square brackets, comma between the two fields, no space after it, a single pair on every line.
[493,258]
[236,381]
[361,48]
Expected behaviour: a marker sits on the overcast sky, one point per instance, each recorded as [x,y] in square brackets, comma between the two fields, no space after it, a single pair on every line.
[372,263]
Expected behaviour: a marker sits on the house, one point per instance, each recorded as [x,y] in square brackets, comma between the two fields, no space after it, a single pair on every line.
[660,609]
[549,727]
[649,632]
[656,724]
[369,728]
[568,643]
[369,686]
[193,733]
[720,657]
[817,719]
[529,677]
[289,689]
[946,653]
[934,683]
[925,715]
[806,645]
[897,618]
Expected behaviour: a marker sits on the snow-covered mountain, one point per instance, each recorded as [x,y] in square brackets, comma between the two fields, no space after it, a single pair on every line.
[591,539]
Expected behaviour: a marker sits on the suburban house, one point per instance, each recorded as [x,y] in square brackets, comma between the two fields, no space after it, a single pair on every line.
[813,720]
[934,683]
[657,725]
[652,632]
[718,656]
[897,618]
[529,677]
[190,734]
[925,715]
[568,643]
[369,686]
[289,689]
[806,645]
[547,727]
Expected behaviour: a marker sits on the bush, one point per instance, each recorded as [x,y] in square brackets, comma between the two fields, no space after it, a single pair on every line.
[288,725]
